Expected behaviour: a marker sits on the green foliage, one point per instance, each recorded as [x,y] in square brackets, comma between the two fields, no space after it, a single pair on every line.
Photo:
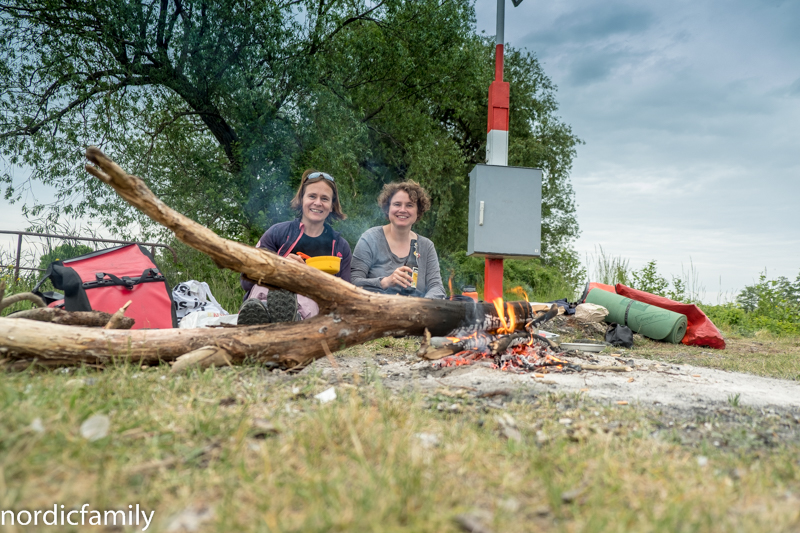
[649,280]
[220,107]
[775,298]
[733,399]
[729,315]
[64,251]
[540,281]
[768,305]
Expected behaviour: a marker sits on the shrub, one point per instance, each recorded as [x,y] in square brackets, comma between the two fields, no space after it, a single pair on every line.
[771,305]
[63,252]
[540,281]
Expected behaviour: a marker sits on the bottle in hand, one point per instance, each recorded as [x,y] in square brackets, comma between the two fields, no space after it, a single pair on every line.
[413,264]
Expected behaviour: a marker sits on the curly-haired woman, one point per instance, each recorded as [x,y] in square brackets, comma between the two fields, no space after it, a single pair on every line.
[379,257]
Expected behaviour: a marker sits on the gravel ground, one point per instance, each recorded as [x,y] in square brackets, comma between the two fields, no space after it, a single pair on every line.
[691,405]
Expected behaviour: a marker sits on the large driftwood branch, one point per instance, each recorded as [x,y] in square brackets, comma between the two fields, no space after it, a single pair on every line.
[348,315]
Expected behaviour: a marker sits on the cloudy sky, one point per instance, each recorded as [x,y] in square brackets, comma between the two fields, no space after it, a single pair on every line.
[690,111]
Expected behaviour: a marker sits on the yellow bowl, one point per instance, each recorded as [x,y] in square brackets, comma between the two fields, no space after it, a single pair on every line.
[326,263]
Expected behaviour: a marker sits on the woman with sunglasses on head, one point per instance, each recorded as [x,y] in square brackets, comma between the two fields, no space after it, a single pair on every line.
[382,253]
[308,235]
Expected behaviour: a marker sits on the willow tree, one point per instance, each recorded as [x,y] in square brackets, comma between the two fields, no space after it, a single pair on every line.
[220,106]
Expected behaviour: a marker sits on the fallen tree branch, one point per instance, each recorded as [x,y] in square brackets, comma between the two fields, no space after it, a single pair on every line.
[8,301]
[54,315]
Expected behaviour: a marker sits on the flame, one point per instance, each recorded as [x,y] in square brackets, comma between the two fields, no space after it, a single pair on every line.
[519,290]
[512,318]
[498,306]
[508,326]
[450,284]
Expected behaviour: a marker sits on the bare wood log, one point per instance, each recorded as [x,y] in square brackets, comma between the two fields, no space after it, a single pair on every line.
[116,320]
[21,297]
[204,357]
[348,315]
[606,368]
[54,315]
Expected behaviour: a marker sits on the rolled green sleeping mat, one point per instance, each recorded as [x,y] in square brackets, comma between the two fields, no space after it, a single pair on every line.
[648,320]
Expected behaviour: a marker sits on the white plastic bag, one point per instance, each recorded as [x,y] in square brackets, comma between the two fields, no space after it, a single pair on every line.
[204,319]
[590,313]
[191,296]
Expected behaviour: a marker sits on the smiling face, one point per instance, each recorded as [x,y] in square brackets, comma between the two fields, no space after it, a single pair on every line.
[317,202]
[402,211]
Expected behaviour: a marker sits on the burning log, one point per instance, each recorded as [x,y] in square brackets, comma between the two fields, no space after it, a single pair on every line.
[517,339]
[465,339]
[444,346]
[348,315]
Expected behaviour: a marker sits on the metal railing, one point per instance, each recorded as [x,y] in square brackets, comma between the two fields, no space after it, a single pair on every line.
[20,234]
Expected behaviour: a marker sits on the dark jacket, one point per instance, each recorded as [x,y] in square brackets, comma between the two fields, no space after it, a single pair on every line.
[282,237]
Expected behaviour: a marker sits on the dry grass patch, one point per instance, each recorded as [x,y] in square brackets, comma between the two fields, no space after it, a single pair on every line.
[371,460]
[764,355]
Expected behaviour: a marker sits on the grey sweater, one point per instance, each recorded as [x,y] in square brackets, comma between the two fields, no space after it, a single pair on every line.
[373,260]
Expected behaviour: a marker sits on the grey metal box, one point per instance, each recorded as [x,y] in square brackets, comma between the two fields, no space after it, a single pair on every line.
[505,211]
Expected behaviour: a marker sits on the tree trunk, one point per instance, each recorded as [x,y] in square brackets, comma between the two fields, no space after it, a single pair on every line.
[348,315]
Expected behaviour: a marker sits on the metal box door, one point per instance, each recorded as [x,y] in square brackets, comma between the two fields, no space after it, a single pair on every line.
[505,211]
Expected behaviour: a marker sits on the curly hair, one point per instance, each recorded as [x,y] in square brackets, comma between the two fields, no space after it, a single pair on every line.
[336,207]
[415,193]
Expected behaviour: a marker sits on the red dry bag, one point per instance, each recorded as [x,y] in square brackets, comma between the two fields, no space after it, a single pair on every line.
[105,280]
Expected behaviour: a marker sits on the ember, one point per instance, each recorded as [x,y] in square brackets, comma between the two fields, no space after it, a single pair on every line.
[518,359]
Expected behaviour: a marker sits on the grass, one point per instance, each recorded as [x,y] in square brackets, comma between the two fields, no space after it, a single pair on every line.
[766,355]
[202,442]
[358,464]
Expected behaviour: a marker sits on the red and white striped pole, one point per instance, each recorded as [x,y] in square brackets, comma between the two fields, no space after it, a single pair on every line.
[497,145]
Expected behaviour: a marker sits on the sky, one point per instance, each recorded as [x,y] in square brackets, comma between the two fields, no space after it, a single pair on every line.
[690,114]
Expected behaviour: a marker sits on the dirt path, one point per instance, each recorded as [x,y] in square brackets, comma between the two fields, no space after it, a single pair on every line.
[649,383]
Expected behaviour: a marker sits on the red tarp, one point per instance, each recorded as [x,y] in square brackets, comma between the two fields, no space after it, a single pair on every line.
[596,285]
[700,331]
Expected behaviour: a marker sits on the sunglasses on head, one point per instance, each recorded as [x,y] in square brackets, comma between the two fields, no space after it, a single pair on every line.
[315,175]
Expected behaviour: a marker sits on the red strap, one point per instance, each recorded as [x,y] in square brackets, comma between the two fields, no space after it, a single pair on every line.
[302,230]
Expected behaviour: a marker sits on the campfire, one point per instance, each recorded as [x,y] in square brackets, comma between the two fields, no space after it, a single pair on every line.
[502,343]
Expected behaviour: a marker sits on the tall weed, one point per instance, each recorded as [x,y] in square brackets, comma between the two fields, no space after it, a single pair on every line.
[608,269]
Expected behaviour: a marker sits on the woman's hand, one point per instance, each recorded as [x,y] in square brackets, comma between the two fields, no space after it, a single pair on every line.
[400,277]
[295,257]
